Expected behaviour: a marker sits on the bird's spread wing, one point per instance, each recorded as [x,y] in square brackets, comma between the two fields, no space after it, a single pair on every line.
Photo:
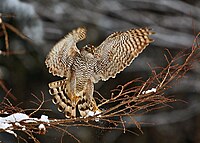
[119,50]
[61,56]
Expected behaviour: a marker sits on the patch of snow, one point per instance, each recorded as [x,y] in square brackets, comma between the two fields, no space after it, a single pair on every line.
[97,119]
[98,116]
[11,132]
[97,112]
[44,118]
[90,113]
[6,123]
[18,124]
[31,120]
[16,117]
[149,91]
[42,127]
[6,113]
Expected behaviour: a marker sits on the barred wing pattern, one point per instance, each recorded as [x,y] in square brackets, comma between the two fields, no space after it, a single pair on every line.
[61,57]
[89,65]
[119,50]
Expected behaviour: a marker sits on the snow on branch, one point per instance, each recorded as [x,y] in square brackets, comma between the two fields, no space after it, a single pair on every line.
[135,98]
[126,101]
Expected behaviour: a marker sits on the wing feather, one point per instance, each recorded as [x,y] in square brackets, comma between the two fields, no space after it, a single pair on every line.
[119,50]
[61,56]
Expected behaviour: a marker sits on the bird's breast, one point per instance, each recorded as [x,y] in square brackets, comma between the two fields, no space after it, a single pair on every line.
[83,69]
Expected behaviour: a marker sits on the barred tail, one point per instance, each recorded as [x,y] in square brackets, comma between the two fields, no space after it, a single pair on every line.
[59,91]
[87,106]
[86,103]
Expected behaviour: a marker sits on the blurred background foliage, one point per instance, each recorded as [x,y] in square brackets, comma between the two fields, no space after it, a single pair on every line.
[176,22]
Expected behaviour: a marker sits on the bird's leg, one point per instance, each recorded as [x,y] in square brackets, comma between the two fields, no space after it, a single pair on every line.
[89,94]
[72,94]
[74,99]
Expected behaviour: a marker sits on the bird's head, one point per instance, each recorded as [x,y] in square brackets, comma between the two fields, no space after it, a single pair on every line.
[88,51]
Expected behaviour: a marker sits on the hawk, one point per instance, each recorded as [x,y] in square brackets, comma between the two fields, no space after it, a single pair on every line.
[82,68]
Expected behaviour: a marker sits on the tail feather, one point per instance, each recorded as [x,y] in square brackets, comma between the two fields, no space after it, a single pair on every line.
[86,104]
[83,106]
[58,90]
